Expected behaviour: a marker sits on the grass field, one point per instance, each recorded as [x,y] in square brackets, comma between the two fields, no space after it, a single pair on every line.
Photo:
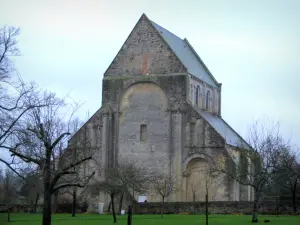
[81,219]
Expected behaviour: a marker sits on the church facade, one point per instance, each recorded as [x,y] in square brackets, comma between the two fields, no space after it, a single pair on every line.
[162,107]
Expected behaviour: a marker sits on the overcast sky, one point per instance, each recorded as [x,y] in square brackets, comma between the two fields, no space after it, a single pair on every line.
[251,47]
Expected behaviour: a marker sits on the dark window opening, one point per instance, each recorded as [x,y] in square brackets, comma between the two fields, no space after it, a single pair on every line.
[207,100]
[143,132]
[197,95]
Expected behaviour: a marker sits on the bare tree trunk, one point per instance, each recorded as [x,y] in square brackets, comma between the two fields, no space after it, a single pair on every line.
[132,200]
[109,206]
[47,193]
[113,207]
[162,207]
[194,203]
[294,201]
[255,208]
[277,208]
[121,203]
[206,208]
[36,202]
[8,214]
[129,219]
[47,207]
[74,203]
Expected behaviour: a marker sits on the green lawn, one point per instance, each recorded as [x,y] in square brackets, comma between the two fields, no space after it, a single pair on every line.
[81,219]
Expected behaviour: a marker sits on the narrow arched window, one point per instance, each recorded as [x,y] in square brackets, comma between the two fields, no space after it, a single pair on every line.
[207,100]
[191,93]
[143,133]
[197,95]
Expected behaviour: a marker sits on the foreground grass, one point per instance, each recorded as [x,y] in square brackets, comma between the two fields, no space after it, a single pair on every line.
[82,219]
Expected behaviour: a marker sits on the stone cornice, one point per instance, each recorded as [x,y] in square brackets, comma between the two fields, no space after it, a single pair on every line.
[142,76]
[203,82]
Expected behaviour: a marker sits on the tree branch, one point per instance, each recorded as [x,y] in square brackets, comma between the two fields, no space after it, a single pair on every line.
[67,185]
[24,158]
[11,168]
[17,102]
[72,184]
[14,122]
[66,170]
[59,175]
[72,165]
[59,139]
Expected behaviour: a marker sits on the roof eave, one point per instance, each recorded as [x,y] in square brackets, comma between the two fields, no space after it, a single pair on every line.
[151,24]
[143,15]
[246,143]
[202,63]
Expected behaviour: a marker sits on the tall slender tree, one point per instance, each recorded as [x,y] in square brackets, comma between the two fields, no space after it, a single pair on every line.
[288,175]
[40,141]
[257,162]
[15,97]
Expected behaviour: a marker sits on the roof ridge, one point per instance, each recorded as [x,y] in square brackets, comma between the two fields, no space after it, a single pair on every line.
[187,55]
[153,24]
[201,61]
[165,29]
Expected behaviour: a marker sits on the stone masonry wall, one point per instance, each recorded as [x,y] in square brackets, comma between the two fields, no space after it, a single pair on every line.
[144,52]
[217,207]
[144,109]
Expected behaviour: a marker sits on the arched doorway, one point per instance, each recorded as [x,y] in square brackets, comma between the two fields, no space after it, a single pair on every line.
[198,180]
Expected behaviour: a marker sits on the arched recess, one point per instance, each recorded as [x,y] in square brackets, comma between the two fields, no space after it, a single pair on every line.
[144,125]
[198,155]
[192,94]
[140,84]
[198,96]
[198,178]
[207,101]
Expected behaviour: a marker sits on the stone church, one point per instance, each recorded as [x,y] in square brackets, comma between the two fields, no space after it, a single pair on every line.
[161,107]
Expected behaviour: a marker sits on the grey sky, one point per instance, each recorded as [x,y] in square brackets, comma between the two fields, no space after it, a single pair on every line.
[252,47]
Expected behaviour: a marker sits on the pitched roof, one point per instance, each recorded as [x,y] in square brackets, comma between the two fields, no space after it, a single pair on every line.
[187,55]
[222,128]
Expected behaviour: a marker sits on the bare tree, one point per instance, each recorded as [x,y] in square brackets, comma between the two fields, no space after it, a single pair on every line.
[288,173]
[257,162]
[15,96]
[8,49]
[136,178]
[204,175]
[39,143]
[10,189]
[164,185]
[82,145]
[210,175]
[1,185]
[124,179]
[32,189]
[195,188]
[113,186]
